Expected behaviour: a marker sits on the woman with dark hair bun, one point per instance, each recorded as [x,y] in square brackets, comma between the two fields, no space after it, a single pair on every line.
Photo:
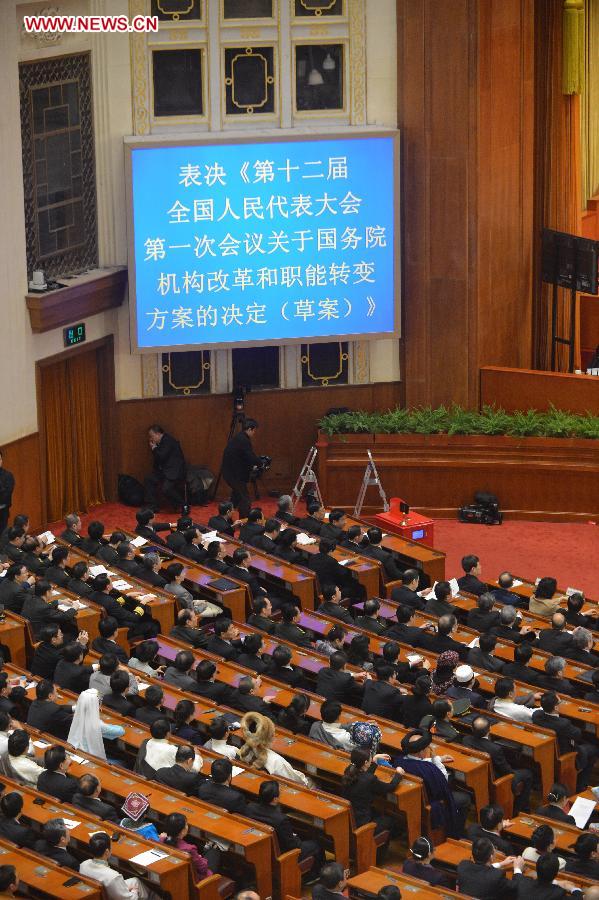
[586,861]
[361,786]
[293,717]
[175,832]
[420,865]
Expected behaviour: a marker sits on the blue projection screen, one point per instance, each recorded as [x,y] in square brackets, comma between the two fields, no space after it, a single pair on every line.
[270,241]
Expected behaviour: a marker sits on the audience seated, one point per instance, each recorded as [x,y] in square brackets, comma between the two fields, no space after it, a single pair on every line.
[87,797]
[54,842]
[569,737]
[55,780]
[331,605]
[419,864]
[542,840]
[261,615]
[11,827]
[544,601]
[522,778]
[46,714]
[470,581]
[107,641]
[115,886]
[483,617]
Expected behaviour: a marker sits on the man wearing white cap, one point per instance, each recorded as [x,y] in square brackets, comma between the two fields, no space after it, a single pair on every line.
[463,687]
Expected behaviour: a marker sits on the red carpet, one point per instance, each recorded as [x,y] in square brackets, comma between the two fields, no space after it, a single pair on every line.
[568,552]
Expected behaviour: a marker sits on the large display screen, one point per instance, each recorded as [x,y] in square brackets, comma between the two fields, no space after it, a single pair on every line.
[259,242]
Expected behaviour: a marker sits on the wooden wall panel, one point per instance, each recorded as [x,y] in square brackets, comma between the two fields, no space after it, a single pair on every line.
[22,458]
[287,425]
[513,389]
[465,110]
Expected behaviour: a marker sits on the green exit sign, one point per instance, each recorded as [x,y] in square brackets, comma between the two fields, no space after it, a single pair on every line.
[74,334]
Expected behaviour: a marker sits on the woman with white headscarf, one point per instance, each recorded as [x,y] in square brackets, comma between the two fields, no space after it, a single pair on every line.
[87,728]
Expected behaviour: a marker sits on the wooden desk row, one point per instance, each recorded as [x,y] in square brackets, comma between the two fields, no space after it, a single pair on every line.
[46,878]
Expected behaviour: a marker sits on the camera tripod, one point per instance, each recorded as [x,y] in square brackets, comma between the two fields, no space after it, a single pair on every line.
[237,418]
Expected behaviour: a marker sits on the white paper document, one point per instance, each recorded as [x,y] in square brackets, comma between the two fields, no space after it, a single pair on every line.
[570,591]
[121,585]
[236,771]
[71,823]
[210,536]
[148,857]
[473,643]
[516,583]
[455,588]
[345,562]
[302,539]
[139,541]
[98,570]
[47,537]
[581,811]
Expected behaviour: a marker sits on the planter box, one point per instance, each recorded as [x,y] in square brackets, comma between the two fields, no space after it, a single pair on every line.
[534,478]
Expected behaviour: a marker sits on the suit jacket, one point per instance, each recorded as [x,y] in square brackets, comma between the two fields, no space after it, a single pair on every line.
[500,843]
[57,854]
[194,552]
[472,585]
[513,634]
[239,458]
[222,648]
[131,567]
[363,791]
[584,656]
[457,692]
[336,611]
[310,525]
[551,811]
[153,578]
[521,673]
[119,704]
[71,537]
[90,545]
[15,554]
[252,661]
[250,531]
[405,634]
[58,576]
[568,735]
[329,571]
[103,645]
[13,595]
[72,676]
[217,565]
[124,616]
[382,699]
[438,643]
[82,588]
[264,543]
[149,714]
[16,833]
[332,533]
[221,524]
[40,613]
[261,622]
[558,643]
[224,796]
[507,597]
[414,708]
[97,808]
[530,889]
[476,657]
[54,718]
[482,621]
[274,816]
[183,680]
[251,703]
[108,555]
[439,607]
[7,486]
[150,532]
[168,458]
[293,676]
[175,541]
[286,517]
[391,569]
[561,685]
[180,779]
[351,545]
[483,882]
[335,685]
[501,766]
[45,659]
[256,589]
[37,565]
[291,556]
[222,694]
[63,787]
[295,634]
[193,636]
[368,623]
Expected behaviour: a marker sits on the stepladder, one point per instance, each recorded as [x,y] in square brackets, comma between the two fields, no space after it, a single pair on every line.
[307,478]
[371,477]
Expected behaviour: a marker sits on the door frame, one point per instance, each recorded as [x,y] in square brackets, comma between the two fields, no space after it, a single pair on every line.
[107,399]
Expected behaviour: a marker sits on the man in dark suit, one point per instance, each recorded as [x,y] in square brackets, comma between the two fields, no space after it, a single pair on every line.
[193,547]
[7,486]
[13,549]
[80,582]
[261,615]
[127,562]
[267,540]
[383,697]
[207,686]
[582,648]
[519,669]
[215,557]
[238,461]
[556,640]
[56,572]
[284,513]
[407,594]
[543,887]
[187,631]
[331,883]
[281,668]
[147,527]
[239,570]
[88,798]
[330,571]
[169,468]
[180,673]
[54,842]
[152,711]
[503,594]
[246,699]
[375,550]
[72,532]
[15,587]
[71,673]
[34,555]
[41,609]
[312,523]
[437,602]
[46,714]
[489,826]
[440,640]
[48,652]
[253,526]
[115,699]
[569,737]
[225,522]
[289,628]
[522,780]
[470,581]
[108,553]
[225,641]
[181,776]
[554,680]
[402,631]
[175,541]
[464,687]
[478,877]
[371,621]
[331,605]
[267,809]
[127,613]
[483,656]
[352,539]
[55,780]
[509,628]
[95,538]
[334,683]
[251,654]
[333,528]
[107,641]
[483,617]
[217,789]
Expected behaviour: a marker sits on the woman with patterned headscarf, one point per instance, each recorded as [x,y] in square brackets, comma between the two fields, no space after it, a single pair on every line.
[447,662]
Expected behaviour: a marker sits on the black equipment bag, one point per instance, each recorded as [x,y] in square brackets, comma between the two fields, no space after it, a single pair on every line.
[483,498]
[199,481]
[130,490]
[477,514]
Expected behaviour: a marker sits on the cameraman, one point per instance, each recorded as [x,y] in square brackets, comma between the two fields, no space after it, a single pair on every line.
[238,461]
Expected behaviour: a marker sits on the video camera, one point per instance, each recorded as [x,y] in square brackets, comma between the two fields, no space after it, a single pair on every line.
[261,467]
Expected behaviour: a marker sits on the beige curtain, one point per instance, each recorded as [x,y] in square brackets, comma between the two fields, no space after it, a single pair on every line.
[590,105]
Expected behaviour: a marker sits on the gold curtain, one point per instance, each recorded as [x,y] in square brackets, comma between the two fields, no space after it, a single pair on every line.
[557,172]
[72,417]
[590,105]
